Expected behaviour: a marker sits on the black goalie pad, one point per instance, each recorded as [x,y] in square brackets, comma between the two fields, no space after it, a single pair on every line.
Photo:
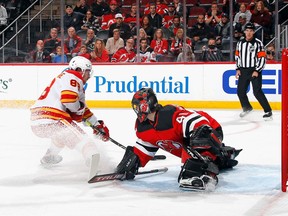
[197,168]
[129,164]
[204,138]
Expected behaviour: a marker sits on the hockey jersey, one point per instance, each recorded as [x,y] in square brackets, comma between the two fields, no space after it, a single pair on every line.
[169,131]
[61,99]
[122,55]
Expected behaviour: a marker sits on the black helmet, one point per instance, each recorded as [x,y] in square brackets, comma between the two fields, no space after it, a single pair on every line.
[144,102]
[250,25]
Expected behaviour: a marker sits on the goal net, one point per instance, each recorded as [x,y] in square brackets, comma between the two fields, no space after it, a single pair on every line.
[284,168]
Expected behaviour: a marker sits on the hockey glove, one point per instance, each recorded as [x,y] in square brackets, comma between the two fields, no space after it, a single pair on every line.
[100,130]
[77,116]
[129,164]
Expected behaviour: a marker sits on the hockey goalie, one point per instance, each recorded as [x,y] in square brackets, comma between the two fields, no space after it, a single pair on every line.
[194,136]
[61,105]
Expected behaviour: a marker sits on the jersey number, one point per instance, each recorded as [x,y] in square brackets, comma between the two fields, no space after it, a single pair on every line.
[44,94]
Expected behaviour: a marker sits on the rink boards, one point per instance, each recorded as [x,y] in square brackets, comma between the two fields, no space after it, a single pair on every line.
[194,85]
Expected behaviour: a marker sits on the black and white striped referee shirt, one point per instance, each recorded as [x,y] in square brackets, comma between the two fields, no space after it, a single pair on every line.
[250,54]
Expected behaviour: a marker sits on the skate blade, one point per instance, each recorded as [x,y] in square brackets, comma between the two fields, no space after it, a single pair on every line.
[192,188]
[268,119]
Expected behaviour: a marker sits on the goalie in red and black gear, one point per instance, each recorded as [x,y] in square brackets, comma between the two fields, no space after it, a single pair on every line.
[194,136]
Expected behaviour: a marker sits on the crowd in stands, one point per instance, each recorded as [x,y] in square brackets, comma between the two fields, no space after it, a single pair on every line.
[106,31]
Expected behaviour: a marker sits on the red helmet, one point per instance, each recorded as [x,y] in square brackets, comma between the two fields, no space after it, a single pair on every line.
[144,102]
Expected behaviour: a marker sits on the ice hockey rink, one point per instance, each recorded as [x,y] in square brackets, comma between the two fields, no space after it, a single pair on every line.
[27,188]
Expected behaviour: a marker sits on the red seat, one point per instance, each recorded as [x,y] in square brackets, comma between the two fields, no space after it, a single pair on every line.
[195,11]
[127,3]
[206,2]
[191,22]
[145,2]
[191,2]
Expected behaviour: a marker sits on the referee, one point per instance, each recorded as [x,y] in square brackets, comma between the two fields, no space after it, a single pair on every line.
[250,61]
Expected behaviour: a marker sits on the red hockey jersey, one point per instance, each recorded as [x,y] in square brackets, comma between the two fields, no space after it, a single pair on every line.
[171,127]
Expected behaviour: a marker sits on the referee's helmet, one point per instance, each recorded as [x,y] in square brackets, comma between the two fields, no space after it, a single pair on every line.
[250,25]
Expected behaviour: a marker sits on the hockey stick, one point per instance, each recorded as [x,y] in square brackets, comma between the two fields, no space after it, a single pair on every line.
[156,157]
[117,176]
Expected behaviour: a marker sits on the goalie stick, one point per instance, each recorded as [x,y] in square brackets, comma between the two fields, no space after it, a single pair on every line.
[118,176]
[156,157]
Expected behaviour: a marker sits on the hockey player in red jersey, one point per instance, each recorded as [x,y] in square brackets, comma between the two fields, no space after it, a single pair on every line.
[194,136]
[60,106]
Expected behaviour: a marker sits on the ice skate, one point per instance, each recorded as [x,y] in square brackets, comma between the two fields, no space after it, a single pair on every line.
[245,113]
[49,158]
[268,116]
[203,183]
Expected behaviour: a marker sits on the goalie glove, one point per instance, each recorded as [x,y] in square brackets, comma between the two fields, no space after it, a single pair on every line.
[100,130]
[129,164]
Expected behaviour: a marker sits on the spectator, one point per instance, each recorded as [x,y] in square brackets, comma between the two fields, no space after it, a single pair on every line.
[169,15]
[200,31]
[261,18]
[109,17]
[3,17]
[175,26]
[72,19]
[270,52]
[155,19]
[142,35]
[178,42]
[226,6]
[84,52]
[90,40]
[100,53]
[179,7]
[186,55]
[81,7]
[90,22]
[114,43]
[72,43]
[99,8]
[213,16]
[212,53]
[252,5]
[125,31]
[240,26]
[161,8]
[146,25]
[125,54]
[243,9]
[222,29]
[159,44]
[146,53]
[131,18]
[39,55]
[52,42]
[58,57]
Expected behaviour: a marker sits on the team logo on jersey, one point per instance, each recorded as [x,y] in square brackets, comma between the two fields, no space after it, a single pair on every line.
[168,145]
[252,49]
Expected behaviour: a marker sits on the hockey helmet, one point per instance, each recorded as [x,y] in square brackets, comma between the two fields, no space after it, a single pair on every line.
[81,62]
[250,25]
[144,102]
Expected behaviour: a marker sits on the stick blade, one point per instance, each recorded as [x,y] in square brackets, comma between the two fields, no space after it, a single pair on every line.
[106,177]
[94,164]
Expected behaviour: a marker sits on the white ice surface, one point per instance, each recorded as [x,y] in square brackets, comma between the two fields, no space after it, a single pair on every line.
[28,189]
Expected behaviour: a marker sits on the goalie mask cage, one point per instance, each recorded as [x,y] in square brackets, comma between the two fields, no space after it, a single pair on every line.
[284,153]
